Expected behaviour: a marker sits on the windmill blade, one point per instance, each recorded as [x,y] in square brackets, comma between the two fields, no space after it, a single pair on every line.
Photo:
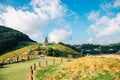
[47,36]
[43,36]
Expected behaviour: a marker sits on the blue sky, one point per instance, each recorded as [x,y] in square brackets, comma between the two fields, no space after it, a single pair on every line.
[69,21]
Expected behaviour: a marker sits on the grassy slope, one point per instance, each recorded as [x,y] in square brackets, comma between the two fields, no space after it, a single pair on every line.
[20,71]
[9,38]
[18,51]
[24,50]
[63,48]
[87,68]
[20,45]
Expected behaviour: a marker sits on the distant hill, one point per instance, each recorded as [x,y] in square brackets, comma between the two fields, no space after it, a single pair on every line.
[9,38]
[96,48]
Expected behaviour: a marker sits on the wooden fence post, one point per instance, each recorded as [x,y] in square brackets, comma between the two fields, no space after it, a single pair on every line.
[34,66]
[17,59]
[46,63]
[39,64]
[31,73]
[61,60]
[53,61]
[74,79]
[28,57]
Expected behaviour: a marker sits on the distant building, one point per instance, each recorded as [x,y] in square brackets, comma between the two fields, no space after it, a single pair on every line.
[88,50]
[87,54]
[111,49]
[96,49]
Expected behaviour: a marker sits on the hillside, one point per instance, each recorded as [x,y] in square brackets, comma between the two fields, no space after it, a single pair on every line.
[87,68]
[52,48]
[9,38]
[96,48]
[62,50]
[17,52]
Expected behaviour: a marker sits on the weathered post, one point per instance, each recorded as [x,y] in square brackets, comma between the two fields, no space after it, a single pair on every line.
[17,59]
[28,57]
[46,63]
[74,79]
[39,64]
[34,66]
[31,73]
[61,60]
[53,61]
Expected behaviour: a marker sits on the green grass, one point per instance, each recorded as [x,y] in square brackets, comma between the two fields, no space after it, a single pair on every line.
[87,68]
[17,52]
[41,74]
[20,71]
[24,50]
[19,45]
[62,48]
[105,76]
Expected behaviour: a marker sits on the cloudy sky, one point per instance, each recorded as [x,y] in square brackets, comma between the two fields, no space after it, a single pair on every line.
[69,21]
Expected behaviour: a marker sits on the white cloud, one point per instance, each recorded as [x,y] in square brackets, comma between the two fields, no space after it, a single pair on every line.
[24,21]
[52,8]
[116,3]
[32,21]
[109,6]
[59,35]
[36,35]
[90,41]
[93,15]
[105,26]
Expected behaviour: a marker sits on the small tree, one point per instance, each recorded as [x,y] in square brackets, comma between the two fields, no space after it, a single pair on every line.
[49,52]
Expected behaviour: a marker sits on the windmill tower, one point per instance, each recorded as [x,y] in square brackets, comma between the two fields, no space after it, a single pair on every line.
[45,41]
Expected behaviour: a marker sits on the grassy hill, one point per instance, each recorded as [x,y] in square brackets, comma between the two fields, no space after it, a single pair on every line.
[87,68]
[56,49]
[10,38]
[20,50]
[63,50]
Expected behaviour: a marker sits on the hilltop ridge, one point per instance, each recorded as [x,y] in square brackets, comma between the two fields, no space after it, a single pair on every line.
[9,38]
